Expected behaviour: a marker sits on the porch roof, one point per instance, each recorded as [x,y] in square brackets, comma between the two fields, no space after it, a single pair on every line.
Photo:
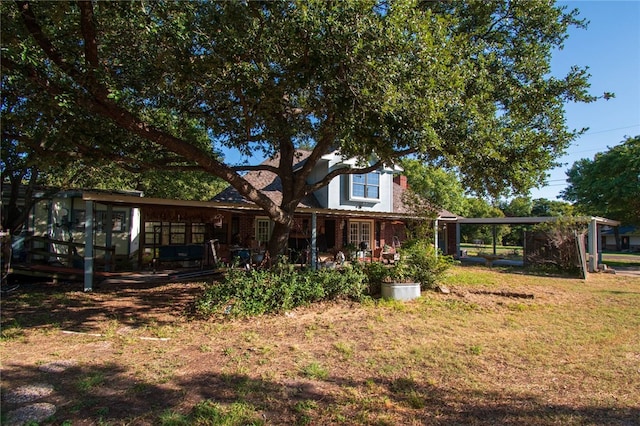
[133,201]
[531,220]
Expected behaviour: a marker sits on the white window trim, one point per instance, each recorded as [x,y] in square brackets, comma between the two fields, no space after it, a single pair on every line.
[365,199]
[262,219]
[371,240]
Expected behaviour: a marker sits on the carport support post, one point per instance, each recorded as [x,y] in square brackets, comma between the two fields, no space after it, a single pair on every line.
[109,237]
[593,245]
[599,235]
[314,241]
[88,246]
[458,239]
[495,237]
[435,236]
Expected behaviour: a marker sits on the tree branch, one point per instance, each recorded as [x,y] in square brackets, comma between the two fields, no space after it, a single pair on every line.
[338,172]
[89,34]
[31,22]
[126,120]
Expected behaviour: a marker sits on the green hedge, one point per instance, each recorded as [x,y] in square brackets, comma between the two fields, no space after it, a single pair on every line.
[282,288]
[247,293]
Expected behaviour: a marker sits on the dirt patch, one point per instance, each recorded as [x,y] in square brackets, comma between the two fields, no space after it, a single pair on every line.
[134,355]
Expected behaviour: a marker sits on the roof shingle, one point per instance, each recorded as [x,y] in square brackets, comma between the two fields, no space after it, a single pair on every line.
[268,183]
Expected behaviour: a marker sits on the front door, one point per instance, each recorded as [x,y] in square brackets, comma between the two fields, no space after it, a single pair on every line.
[360,232]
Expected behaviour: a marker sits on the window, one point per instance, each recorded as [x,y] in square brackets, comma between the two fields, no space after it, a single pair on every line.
[365,187]
[360,231]
[197,233]
[177,233]
[163,233]
[263,230]
[118,220]
[78,218]
[152,233]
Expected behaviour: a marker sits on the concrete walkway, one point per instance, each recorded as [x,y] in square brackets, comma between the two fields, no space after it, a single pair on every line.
[477,260]
[630,271]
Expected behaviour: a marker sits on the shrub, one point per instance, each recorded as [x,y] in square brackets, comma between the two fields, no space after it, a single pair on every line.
[418,263]
[377,273]
[423,264]
[247,293]
[555,244]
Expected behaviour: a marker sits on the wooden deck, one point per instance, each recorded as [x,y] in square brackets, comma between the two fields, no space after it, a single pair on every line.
[62,273]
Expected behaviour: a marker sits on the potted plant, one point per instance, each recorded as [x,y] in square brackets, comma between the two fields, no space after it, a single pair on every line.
[417,268]
[400,283]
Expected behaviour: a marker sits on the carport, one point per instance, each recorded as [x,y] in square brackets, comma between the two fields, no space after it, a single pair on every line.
[595,225]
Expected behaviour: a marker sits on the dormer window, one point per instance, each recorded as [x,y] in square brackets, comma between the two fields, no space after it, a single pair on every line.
[365,187]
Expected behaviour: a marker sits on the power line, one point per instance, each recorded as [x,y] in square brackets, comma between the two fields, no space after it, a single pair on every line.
[586,150]
[598,132]
[610,130]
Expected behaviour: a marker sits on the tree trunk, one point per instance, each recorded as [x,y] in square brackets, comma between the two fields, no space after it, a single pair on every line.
[17,216]
[280,238]
[616,236]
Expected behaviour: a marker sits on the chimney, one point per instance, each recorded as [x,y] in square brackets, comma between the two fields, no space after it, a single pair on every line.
[401,180]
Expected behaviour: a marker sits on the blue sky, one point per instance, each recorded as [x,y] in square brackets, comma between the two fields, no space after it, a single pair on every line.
[610,47]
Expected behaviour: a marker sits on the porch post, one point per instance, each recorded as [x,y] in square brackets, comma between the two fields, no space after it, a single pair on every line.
[593,245]
[88,246]
[314,241]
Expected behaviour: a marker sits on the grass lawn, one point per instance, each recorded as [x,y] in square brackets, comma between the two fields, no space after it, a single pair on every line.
[567,352]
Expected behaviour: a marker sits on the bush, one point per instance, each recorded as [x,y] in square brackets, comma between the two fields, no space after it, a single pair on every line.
[247,293]
[418,263]
[423,264]
[377,273]
[555,244]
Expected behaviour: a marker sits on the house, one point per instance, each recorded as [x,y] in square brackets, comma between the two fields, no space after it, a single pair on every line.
[629,238]
[364,211]
[354,210]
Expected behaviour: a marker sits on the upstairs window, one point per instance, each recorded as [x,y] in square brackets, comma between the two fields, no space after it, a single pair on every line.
[365,186]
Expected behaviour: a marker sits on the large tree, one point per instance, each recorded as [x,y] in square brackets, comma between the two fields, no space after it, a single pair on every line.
[544,207]
[457,84]
[608,185]
[440,187]
[34,154]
